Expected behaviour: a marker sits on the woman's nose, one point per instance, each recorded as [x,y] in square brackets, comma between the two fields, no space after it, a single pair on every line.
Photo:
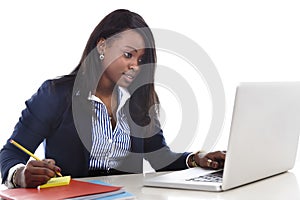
[134,66]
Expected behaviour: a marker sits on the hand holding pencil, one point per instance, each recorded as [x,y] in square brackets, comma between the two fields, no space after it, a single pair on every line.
[36,172]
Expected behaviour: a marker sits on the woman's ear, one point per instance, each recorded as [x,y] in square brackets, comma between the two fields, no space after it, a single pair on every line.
[101,46]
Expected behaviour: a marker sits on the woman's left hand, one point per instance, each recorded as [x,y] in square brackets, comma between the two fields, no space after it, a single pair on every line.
[212,160]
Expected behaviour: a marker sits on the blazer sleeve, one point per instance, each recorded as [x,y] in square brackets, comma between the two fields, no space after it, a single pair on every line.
[34,125]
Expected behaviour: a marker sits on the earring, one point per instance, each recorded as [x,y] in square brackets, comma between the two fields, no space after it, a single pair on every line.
[101,56]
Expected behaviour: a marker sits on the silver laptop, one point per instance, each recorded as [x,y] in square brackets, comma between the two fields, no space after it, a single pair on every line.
[263,140]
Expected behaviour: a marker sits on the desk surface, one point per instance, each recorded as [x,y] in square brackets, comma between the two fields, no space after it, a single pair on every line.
[280,187]
[283,186]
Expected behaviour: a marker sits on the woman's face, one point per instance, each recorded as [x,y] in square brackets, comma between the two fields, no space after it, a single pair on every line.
[122,58]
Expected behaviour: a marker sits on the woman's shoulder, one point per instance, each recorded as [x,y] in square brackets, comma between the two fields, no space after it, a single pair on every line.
[62,84]
[56,89]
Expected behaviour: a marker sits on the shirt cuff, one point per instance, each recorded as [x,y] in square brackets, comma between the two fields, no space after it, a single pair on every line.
[187,159]
[9,182]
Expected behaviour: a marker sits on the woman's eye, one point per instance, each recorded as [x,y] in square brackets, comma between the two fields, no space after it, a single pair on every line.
[140,61]
[127,55]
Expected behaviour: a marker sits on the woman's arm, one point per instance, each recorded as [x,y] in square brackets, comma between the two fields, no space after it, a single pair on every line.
[35,124]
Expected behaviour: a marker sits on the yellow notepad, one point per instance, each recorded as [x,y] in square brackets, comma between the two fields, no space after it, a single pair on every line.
[57,181]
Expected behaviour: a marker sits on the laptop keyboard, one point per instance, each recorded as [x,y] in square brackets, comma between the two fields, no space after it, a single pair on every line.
[213,177]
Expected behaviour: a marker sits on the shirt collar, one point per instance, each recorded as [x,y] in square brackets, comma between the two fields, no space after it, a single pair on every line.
[123,96]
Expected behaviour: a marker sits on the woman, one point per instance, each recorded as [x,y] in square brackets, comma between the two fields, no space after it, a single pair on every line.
[101,119]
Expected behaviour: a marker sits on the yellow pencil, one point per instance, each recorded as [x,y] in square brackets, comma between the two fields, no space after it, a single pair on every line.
[28,152]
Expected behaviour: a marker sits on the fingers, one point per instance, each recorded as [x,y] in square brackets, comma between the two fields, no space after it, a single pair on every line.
[37,173]
[29,177]
[50,161]
[217,155]
[212,160]
[45,167]
[210,163]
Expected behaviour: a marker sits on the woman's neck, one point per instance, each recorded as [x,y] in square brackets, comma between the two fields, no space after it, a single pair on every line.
[105,89]
[109,97]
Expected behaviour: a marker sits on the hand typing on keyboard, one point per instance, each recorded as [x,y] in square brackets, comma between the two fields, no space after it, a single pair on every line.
[211,160]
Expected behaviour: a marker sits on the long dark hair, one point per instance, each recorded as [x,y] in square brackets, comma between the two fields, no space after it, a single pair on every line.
[143,95]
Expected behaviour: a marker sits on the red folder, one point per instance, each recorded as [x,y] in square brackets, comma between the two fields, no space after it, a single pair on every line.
[74,189]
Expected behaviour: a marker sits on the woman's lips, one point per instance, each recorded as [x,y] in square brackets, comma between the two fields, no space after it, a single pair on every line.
[129,76]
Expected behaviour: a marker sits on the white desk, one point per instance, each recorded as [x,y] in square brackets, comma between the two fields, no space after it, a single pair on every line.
[283,186]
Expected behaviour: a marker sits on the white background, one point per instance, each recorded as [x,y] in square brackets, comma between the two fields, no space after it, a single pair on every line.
[247,40]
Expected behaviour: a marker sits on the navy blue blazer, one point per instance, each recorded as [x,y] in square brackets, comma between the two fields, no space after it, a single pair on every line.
[48,118]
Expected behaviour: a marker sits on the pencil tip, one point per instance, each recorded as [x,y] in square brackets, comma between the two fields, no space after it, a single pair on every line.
[59,174]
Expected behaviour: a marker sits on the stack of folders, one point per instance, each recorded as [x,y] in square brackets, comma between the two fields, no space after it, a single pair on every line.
[75,190]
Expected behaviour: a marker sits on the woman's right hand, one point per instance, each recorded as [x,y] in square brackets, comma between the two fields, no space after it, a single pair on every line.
[35,173]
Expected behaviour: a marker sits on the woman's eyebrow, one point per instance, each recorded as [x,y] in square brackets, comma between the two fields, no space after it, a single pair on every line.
[134,49]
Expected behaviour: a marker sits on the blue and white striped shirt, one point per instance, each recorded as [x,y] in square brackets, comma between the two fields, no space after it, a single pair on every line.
[110,145]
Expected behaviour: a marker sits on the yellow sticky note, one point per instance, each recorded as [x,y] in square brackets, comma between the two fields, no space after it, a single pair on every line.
[57,181]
